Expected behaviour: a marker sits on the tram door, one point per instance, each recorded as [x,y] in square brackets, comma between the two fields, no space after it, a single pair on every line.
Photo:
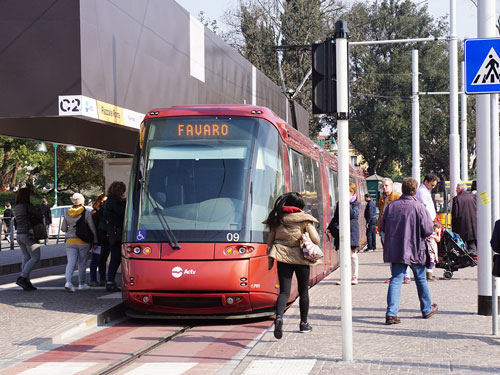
[332,201]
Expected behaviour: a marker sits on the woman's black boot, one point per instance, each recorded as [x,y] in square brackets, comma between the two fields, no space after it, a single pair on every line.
[278,327]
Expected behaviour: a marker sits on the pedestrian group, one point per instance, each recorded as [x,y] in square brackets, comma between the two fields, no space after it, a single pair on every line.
[102,225]
[408,226]
[409,230]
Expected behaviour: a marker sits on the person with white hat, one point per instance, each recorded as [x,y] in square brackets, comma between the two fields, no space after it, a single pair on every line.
[77,250]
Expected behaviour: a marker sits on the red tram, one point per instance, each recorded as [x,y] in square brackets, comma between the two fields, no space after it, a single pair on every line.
[203,180]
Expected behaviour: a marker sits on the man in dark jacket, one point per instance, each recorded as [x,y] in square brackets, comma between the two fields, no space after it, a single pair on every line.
[8,214]
[406,223]
[46,214]
[464,216]
[371,217]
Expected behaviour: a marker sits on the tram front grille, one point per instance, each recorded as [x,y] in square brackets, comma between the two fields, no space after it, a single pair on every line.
[187,302]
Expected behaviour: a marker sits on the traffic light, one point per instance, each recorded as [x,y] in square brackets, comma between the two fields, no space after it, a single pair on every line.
[324,89]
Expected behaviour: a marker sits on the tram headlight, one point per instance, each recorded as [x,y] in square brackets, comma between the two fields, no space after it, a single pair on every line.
[145,299]
[229,300]
[228,250]
[242,250]
[137,250]
[147,250]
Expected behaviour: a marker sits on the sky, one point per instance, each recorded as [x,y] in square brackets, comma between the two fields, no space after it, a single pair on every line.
[466,12]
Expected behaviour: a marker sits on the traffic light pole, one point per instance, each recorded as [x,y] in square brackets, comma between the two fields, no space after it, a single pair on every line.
[341,36]
[485,29]
[415,118]
[454,139]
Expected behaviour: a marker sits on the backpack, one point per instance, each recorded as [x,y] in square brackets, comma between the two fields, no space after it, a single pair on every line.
[83,230]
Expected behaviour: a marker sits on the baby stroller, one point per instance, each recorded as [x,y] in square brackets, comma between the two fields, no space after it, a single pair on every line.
[454,254]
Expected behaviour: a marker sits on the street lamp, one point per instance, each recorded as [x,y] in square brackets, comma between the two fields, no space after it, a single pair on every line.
[333,146]
[41,147]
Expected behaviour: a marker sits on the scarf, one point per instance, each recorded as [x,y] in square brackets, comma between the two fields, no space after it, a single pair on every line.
[353,198]
[291,209]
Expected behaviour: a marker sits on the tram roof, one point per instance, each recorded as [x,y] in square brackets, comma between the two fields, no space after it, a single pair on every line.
[293,136]
[246,110]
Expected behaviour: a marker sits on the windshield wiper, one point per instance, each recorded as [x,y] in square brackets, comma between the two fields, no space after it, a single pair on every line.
[168,232]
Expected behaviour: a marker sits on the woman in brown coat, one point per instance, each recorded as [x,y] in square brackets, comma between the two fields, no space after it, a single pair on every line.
[287,222]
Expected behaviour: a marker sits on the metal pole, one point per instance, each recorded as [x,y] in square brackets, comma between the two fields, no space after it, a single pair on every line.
[12,233]
[415,117]
[414,40]
[486,18]
[341,35]
[495,203]
[55,174]
[454,137]
[464,172]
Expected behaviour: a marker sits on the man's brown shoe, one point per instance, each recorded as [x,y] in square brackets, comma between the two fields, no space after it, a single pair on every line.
[430,277]
[434,310]
[392,320]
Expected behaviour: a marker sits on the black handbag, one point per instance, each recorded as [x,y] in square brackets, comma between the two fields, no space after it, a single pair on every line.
[496,265]
[37,225]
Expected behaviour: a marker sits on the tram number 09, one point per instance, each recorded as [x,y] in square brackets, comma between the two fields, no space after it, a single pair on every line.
[233,237]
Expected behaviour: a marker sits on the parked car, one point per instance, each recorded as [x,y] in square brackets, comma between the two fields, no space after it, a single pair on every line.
[57,215]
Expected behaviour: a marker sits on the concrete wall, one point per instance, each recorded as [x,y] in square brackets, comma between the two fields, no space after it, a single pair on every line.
[117,169]
[134,54]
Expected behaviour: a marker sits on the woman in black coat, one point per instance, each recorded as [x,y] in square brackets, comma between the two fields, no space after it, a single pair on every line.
[355,209]
[100,258]
[114,214]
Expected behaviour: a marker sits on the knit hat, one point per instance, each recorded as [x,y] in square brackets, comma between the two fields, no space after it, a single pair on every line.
[77,199]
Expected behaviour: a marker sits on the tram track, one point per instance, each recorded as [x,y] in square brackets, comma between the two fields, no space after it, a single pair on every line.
[127,361]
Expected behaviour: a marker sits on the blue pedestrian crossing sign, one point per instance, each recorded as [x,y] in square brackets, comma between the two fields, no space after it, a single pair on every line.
[482,66]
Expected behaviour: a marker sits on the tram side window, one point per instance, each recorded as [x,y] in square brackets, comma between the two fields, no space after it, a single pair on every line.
[267,180]
[308,175]
[296,171]
[316,203]
[332,189]
[305,177]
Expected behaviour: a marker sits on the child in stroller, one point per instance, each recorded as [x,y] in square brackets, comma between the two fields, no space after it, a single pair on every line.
[454,254]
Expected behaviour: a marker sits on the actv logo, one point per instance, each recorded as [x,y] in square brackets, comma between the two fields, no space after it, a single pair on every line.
[178,272]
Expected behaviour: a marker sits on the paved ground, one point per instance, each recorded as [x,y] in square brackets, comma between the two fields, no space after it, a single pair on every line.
[52,255]
[49,316]
[454,341]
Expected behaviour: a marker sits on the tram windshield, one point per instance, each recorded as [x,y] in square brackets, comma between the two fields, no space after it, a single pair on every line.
[212,179]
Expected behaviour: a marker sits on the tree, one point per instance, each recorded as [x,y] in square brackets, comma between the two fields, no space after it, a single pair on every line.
[76,171]
[262,25]
[23,166]
[19,158]
[380,75]
[380,124]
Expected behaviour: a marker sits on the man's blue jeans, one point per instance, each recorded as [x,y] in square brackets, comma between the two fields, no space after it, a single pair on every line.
[371,235]
[394,291]
[407,273]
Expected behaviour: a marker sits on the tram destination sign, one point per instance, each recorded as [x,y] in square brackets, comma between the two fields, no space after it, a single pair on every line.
[199,128]
[482,66]
[202,130]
